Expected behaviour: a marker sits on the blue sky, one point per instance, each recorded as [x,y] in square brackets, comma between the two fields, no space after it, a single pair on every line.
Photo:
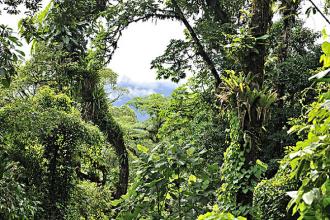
[137,89]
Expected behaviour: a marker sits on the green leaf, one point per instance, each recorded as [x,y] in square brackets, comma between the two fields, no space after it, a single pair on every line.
[192,179]
[308,197]
[326,202]
[324,34]
[116,202]
[6,82]
[142,149]
[168,196]
[326,47]
[42,15]
[191,151]
[20,52]
[262,164]
[264,37]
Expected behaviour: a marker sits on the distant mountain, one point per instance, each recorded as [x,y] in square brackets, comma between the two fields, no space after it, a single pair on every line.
[139,89]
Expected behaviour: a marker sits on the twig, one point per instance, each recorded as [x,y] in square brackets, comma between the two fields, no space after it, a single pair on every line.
[317,9]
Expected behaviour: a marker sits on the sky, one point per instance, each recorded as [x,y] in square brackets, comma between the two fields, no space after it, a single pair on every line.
[140,44]
[316,21]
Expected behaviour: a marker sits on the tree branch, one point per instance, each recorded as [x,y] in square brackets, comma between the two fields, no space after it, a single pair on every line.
[198,43]
[113,37]
[317,8]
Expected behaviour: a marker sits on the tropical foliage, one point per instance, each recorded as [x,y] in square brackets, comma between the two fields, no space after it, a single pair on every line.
[244,135]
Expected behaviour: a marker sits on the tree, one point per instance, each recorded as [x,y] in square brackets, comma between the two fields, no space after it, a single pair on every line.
[203,144]
[151,105]
[11,6]
[242,89]
[9,54]
[53,148]
[81,69]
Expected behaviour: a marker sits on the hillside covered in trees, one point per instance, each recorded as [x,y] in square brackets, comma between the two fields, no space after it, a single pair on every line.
[245,135]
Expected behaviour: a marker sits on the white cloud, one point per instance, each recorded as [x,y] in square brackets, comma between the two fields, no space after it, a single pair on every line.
[151,84]
[139,45]
[136,88]
[138,92]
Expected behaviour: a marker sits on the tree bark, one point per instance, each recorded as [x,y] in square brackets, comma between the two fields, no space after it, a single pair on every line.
[255,64]
[259,25]
[95,109]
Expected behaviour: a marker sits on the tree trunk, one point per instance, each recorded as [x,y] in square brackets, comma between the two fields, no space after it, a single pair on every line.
[95,109]
[255,64]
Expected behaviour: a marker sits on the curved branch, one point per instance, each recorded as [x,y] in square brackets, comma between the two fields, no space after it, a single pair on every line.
[199,45]
[96,109]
